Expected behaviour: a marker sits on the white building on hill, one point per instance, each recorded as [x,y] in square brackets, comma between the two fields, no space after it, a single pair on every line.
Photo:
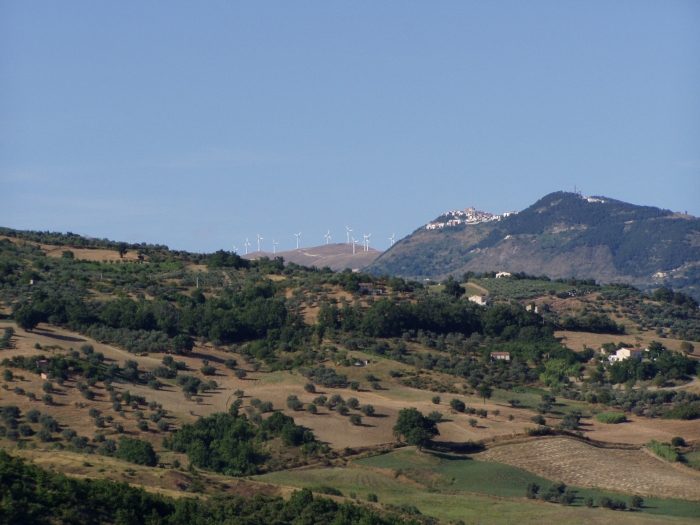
[480,300]
[626,353]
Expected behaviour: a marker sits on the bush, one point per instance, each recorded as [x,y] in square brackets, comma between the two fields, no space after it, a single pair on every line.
[372,497]
[32,416]
[538,431]
[678,441]
[231,363]
[208,370]
[435,415]
[457,405]
[353,403]
[472,422]
[44,435]
[325,489]
[25,430]
[47,399]
[610,418]
[310,388]
[137,451]
[367,410]
[436,400]
[538,420]
[356,420]
[293,403]
[532,490]
[311,408]
[663,450]
[636,502]
[142,425]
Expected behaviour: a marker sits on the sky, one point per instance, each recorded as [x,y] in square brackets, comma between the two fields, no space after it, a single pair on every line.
[198,124]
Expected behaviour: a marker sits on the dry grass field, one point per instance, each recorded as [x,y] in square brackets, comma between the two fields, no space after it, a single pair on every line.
[582,465]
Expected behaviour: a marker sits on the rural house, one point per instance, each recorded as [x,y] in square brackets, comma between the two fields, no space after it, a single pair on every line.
[480,299]
[498,356]
[626,353]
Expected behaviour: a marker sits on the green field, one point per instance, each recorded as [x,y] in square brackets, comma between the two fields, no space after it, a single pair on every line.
[458,487]
[496,479]
[503,289]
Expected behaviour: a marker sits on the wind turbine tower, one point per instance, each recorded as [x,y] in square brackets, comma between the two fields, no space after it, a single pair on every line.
[234,249]
[259,239]
[349,230]
[392,239]
[367,242]
[274,246]
[297,235]
[354,243]
[328,236]
[246,245]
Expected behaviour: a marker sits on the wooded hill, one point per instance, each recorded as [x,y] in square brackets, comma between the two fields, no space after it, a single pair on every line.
[562,235]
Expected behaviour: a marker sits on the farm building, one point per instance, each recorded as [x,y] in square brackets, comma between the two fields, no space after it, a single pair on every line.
[498,356]
[480,299]
[502,274]
[626,353]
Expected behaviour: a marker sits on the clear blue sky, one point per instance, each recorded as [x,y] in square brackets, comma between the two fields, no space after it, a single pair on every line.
[196,124]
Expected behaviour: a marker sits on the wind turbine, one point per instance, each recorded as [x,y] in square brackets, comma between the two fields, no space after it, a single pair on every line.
[274,246]
[259,239]
[235,250]
[354,243]
[392,239]
[349,230]
[246,245]
[367,242]
[328,236]
[297,235]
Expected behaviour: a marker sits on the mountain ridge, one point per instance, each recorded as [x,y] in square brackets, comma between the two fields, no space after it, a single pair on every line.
[561,235]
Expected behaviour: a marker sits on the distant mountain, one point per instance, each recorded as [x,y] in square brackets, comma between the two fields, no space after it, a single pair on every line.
[562,235]
[336,256]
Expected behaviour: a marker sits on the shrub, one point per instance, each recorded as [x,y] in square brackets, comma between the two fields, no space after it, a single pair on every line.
[532,490]
[12,435]
[208,370]
[436,400]
[636,502]
[435,415]
[47,399]
[610,418]
[320,400]
[311,408]
[293,403]
[231,363]
[32,416]
[367,410]
[678,441]
[142,425]
[241,374]
[353,403]
[538,431]
[372,497]
[663,450]
[325,489]
[137,451]
[44,435]
[511,417]
[538,420]
[355,419]
[472,422]
[310,388]
[457,405]
[25,430]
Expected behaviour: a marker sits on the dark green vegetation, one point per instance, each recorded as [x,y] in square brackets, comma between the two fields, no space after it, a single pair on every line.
[565,234]
[32,495]
[447,472]
[230,444]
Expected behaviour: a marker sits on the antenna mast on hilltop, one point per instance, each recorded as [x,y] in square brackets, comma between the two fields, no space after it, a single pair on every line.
[297,235]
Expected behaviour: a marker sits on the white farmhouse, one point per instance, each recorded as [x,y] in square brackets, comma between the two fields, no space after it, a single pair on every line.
[626,353]
[480,300]
[502,274]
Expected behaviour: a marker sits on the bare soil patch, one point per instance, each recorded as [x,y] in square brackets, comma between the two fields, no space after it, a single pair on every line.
[582,465]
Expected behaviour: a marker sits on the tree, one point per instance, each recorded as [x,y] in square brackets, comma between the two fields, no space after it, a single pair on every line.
[137,451]
[687,347]
[532,490]
[485,391]
[452,287]
[415,428]
[27,318]
[458,405]
[355,419]
[636,502]
[122,248]
[241,374]
[367,410]
[181,344]
[67,254]
[436,400]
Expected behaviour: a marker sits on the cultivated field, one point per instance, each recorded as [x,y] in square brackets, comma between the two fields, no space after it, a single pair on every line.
[582,465]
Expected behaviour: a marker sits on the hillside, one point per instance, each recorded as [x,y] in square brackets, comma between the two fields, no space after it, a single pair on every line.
[562,235]
[337,256]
